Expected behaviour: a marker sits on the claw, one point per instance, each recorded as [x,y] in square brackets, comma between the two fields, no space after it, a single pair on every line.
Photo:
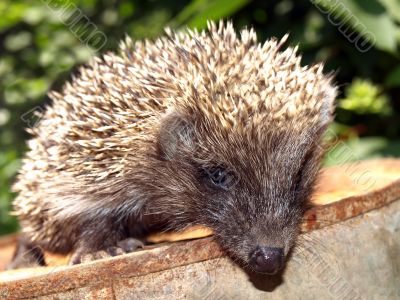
[84,255]
[130,244]
[115,251]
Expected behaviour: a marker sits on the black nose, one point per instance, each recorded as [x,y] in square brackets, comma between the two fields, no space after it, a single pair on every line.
[267,260]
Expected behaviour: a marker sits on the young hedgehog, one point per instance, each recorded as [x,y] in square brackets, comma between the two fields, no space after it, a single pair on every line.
[206,128]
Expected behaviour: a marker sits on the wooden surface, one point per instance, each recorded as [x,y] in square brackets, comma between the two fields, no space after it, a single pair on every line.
[343,192]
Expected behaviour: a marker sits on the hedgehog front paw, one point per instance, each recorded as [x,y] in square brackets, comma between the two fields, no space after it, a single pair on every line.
[130,244]
[85,254]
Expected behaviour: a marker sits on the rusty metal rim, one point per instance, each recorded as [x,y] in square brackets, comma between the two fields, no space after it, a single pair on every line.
[350,207]
[64,278]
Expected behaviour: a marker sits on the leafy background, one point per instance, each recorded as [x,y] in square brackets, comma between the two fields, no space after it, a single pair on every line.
[40,49]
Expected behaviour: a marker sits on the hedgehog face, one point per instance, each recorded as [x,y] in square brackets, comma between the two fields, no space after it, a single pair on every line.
[252,190]
[240,147]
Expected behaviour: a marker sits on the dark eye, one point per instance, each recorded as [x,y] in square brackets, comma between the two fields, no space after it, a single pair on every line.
[220,177]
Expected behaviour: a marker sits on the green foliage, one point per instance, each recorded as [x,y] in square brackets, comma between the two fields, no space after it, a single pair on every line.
[9,164]
[372,19]
[363,97]
[393,78]
[41,47]
[196,14]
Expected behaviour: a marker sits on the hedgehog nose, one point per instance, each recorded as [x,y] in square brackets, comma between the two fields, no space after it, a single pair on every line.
[268,260]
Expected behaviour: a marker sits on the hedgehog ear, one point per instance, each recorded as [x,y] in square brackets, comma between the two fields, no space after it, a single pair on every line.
[175,132]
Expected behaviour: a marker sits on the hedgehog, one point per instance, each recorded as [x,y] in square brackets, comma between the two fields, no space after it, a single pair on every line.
[208,128]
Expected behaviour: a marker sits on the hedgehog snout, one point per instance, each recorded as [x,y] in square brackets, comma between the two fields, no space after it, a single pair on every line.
[267,260]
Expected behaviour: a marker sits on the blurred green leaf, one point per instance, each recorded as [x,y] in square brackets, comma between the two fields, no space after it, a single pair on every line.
[18,41]
[393,8]
[109,17]
[197,13]
[5,65]
[393,79]
[34,15]
[363,97]
[126,9]
[4,116]
[369,18]
[11,13]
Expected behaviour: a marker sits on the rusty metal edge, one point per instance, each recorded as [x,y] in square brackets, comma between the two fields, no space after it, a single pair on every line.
[182,253]
[325,215]
[135,264]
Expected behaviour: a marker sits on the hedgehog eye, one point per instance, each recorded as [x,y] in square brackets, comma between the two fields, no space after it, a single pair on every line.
[220,177]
